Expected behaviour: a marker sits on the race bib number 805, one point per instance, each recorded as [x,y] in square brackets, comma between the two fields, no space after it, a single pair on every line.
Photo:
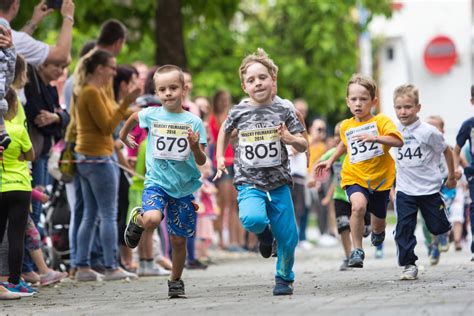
[170,141]
[359,150]
[260,147]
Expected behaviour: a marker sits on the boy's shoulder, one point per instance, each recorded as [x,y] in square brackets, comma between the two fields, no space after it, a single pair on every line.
[469,122]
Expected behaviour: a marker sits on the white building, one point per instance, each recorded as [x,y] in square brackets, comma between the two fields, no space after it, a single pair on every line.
[401,57]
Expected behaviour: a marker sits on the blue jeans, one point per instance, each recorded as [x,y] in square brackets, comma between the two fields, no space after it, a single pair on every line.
[76,217]
[99,191]
[471,212]
[258,208]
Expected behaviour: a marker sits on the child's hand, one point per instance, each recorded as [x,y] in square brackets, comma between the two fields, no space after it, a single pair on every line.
[285,135]
[130,141]
[193,139]
[370,138]
[6,40]
[220,168]
[322,167]
[450,183]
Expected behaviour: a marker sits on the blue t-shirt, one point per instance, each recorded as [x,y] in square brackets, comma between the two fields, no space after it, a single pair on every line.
[466,133]
[169,162]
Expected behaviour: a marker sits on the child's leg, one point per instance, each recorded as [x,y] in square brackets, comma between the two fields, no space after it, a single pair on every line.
[358,209]
[178,244]
[433,210]
[406,209]
[343,213]
[282,219]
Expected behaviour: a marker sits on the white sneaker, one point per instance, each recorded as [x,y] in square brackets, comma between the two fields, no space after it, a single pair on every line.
[305,245]
[327,240]
[119,274]
[148,268]
[409,273]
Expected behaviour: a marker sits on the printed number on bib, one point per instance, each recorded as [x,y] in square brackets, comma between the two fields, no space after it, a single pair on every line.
[260,147]
[170,141]
[359,150]
[410,155]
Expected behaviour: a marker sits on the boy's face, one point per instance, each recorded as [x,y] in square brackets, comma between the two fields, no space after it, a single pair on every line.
[406,109]
[360,102]
[170,90]
[258,84]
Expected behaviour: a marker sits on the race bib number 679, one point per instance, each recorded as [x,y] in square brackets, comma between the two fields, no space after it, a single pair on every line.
[170,141]
[359,150]
[260,147]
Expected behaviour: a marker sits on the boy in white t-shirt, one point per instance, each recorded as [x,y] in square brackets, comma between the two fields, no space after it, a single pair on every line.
[419,178]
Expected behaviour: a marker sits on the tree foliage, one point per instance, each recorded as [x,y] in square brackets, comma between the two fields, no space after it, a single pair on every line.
[314,42]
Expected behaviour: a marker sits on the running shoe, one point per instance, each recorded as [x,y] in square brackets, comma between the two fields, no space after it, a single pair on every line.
[443,242]
[344,265]
[265,249]
[175,288]
[118,274]
[86,276]
[379,251]
[435,254]
[282,287]
[22,289]
[410,272]
[377,239]
[52,277]
[133,232]
[7,295]
[196,265]
[274,249]
[356,260]
[367,230]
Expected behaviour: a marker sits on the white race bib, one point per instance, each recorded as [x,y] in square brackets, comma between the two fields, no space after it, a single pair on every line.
[260,147]
[359,150]
[170,141]
[411,153]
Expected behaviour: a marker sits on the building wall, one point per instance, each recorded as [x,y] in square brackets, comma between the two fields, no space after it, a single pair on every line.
[404,38]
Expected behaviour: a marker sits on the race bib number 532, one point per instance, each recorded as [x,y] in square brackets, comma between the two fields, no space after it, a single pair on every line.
[359,150]
[170,141]
[260,147]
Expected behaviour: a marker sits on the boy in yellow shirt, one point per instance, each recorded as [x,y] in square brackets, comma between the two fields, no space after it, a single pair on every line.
[368,171]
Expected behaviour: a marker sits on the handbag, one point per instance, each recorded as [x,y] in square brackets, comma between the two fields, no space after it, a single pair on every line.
[66,163]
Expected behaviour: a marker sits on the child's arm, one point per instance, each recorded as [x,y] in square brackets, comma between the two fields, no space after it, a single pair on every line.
[125,137]
[196,148]
[28,156]
[322,166]
[296,140]
[223,140]
[387,140]
[451,181]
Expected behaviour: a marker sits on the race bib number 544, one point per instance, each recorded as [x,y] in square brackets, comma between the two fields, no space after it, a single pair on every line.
[359,150]
[260,147]
[170,141]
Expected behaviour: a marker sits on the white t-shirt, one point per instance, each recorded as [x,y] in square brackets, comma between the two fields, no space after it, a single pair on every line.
[35,52]
[418,161]
[298,162]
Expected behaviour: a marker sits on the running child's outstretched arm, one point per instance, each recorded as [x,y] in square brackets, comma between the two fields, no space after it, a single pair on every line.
[298,141]
[125,137]
[196,148]
[325,166]
[387,140]
[223,140]
[451,181]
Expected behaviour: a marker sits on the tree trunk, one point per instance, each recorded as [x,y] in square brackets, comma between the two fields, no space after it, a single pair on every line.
[169,34]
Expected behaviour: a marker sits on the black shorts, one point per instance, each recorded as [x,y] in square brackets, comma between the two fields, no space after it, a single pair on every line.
[343,215]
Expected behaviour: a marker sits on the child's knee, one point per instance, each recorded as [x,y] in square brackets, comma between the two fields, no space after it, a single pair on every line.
[178,242]
[151,219]
[358,209]
[253,222]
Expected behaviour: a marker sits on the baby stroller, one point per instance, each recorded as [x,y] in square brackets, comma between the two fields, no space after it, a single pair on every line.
[56,223]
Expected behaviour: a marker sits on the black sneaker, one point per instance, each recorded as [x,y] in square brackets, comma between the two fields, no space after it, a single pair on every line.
[377,239]
[5,140]
[175,288]
[274,249]
[265,250]
[356,260]
[196,265]
[133,232]
[282,287]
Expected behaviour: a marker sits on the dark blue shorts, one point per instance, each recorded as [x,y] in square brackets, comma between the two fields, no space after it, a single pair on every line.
[180,213]
[377,200]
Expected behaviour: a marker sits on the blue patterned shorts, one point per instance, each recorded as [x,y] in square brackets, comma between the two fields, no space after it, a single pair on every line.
[180,213]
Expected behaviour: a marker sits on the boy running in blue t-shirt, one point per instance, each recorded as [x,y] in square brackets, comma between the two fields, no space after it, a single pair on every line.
[262,175]
[174,146]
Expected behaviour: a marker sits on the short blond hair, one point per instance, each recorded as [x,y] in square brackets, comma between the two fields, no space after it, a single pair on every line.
[260,56]
[436,118]
[408,90]
[364,81]
[169,68]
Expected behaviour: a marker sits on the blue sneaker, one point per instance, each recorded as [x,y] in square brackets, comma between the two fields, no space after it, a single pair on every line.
[379,251]
[20,288]
[282,287]
[434,257]
[377,239]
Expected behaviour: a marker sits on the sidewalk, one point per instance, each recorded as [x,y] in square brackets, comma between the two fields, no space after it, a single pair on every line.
[243,286]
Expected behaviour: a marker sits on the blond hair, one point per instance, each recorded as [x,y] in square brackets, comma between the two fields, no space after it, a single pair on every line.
[260,56]
[435,119]
[169,68]
[364,81]
[408,90]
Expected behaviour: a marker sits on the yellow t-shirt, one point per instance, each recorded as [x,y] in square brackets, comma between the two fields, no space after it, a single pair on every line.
[315,152]
[368,162]
[15,175]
